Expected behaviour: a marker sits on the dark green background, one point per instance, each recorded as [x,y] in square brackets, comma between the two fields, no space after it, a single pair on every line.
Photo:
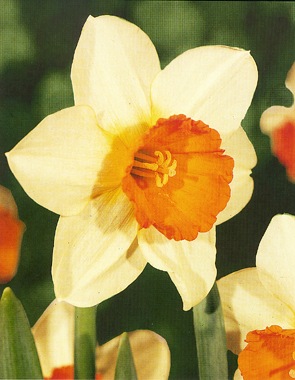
[37,42]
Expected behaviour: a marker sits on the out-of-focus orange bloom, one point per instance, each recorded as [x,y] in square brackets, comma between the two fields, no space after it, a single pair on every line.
[67,372]
[279,123]
[11,233]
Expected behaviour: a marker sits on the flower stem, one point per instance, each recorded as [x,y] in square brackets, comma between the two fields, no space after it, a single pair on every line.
[85,342]
[210,337]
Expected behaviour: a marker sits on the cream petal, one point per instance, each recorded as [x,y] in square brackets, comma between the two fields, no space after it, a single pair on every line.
[274,117]
[214,84]
[239,147]
[275,258]
[238,375]
[248,306]
[190,265]
[290,80]
[7,202]
[58,162]
[150,353]
[114,65]
[93,256]
[54,336]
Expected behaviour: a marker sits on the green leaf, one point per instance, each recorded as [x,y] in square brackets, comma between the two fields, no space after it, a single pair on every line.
[85,342]
[211,338]
[125,369]
[18,354]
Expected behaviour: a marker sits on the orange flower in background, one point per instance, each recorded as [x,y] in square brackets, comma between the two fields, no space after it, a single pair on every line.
[269,354]
[145,164]
[255,298]
[54,338]
[279,123]
[11,233]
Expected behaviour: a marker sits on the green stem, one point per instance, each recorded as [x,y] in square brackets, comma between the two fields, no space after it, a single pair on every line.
[85,342]
[211,338]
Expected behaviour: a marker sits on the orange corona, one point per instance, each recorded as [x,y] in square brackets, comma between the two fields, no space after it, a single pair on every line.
[270,354]
[179,178]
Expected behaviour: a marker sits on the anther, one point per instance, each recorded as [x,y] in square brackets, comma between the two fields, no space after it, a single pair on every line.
[161,166]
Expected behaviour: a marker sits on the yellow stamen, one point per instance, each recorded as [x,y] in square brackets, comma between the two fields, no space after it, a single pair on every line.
[161,167]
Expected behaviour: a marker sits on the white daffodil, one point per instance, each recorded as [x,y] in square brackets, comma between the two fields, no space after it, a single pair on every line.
[54,338]
[11,233]
[133,168]
[279,123]
[259,306]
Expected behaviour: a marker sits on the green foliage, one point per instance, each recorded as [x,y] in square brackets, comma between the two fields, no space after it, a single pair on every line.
[18,355]
[125,369]
[210,338]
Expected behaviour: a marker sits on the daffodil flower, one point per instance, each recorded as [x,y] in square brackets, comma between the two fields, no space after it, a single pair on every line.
[54,338]
[279,123]
[259,306]
[144,165]
[11,233]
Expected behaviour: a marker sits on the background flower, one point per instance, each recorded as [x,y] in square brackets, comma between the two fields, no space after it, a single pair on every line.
[257,298]
[279,123]
[11,233]
[54,337]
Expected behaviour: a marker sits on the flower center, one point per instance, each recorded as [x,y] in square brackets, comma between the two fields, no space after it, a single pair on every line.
[160,165]
[179,178]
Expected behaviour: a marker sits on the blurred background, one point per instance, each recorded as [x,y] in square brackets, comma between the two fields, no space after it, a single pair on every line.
[37,43]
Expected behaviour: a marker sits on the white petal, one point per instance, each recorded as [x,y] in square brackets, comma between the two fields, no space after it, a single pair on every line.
[238,375]
[275,258]
[290,80]
[239,147]
[58,162]
[114,65]
[7,201]
[54,336]
[92,258]
[214,84]
[191,265]
[248,306]
[274,117]
[150,353]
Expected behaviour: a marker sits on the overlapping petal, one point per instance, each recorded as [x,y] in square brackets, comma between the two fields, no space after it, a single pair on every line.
[58,162]
[276,259]
[238,146]
[93,257]
[275,117]
[150,353]
[54,337]
[113,68]
[214,84]
[248,305]
[191,265]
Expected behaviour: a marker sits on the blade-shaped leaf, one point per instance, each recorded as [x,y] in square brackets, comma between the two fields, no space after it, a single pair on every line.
[18,354]
[125,369]
[211,338]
